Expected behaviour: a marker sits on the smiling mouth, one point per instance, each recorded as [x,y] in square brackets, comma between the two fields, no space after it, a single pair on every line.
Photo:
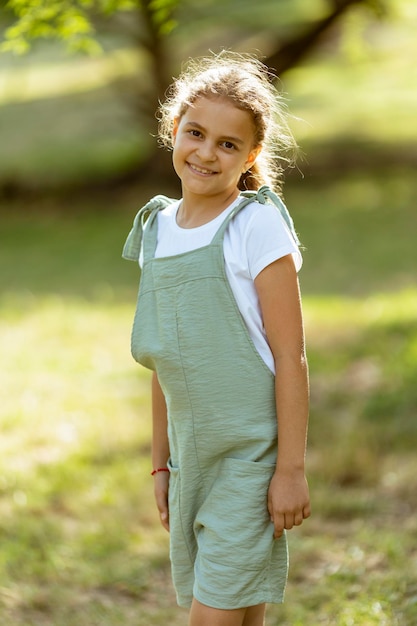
[200,170]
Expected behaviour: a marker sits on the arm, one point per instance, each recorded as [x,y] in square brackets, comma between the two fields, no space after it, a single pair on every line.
[277,288]
[160,450]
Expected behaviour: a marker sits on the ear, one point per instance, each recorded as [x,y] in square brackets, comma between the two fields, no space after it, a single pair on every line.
[252,156]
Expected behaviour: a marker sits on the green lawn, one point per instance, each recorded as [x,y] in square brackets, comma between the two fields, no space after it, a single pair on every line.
[81,542]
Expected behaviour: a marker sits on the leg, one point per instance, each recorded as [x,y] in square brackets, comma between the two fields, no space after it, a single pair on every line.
[254,616]
[202,615]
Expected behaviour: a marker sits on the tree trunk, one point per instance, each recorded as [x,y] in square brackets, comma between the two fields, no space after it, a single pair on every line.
[291,52]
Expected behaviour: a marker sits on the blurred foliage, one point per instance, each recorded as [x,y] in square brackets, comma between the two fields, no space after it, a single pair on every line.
[288,30]
[68,21]
[73,21]
[66,119]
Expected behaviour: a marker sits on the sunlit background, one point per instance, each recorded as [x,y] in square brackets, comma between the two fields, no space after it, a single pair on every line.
[80,540]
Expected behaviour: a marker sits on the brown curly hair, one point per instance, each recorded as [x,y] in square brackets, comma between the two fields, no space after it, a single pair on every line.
[247,82]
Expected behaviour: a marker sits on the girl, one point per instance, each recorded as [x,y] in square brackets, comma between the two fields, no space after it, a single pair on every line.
[219,321]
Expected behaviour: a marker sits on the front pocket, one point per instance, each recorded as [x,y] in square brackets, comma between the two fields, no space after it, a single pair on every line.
[233,526]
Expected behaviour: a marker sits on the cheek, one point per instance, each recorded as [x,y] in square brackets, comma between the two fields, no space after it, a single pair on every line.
[174,156]
[177,159]
[180,143]
[177,150]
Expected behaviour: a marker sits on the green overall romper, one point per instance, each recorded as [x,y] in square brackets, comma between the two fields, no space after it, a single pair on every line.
[222,423]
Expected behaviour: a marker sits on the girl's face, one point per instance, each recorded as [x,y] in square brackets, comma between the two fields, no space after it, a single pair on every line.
[213,145]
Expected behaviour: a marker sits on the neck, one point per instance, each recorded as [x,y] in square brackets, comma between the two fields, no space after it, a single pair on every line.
[195,210]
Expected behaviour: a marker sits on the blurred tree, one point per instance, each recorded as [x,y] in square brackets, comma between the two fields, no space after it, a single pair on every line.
[164,31]
[150,23]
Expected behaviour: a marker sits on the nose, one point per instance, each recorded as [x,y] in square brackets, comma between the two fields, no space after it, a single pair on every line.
[206,151]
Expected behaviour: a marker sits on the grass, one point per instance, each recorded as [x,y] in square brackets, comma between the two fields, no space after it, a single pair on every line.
[75,495]
[357,231]
[81,542]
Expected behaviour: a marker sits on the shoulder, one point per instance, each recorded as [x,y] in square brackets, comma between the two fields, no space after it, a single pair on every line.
[263,236]
[256,218]
[142,221]
[158,206]
[169,210]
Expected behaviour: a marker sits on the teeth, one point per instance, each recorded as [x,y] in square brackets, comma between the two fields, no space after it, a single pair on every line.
[200,170]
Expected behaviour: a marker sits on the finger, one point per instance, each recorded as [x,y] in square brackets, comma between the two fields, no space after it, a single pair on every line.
[306,511]
[289,521]
[162,505]
[279,525]
[298,518]
[163,513]
[165,520]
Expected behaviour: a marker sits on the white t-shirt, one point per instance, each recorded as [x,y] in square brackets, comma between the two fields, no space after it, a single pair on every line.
[255,237]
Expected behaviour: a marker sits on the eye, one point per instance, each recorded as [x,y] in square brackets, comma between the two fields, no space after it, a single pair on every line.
[229,145]
[195,133]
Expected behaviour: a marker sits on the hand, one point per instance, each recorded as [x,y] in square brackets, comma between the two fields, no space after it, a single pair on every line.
[161,486]
[288,501]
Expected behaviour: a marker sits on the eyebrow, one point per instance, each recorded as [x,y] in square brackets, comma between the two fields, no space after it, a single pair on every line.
[224,138]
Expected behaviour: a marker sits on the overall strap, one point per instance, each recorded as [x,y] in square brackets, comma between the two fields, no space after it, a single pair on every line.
[131,249]
[264,195]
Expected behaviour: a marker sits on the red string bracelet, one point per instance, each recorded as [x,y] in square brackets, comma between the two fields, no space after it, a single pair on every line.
[160,469]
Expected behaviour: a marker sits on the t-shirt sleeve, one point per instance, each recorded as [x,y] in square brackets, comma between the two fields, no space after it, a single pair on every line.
[269,239]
